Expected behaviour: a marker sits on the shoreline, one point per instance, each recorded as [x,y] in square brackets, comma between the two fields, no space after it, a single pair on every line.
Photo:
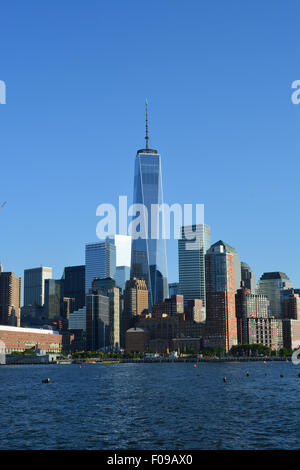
[151,361]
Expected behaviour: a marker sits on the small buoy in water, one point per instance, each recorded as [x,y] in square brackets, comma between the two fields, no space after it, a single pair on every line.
[46,381]
[281,375]
[247,374]
[224,379]
[195,365]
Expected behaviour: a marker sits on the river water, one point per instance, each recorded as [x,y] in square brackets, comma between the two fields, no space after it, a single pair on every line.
[150,406]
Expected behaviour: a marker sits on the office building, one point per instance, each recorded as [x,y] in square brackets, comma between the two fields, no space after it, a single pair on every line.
[53,299]
[10,299]
[67,307]
[271,284]
[34,285]
[221,324]
[148,253]
[173,288]
[191,258]
[97,322]
[248,277]
[123,249]
[108,287]
[74,284]
[100,262]
[136,300]
[122,275]
[77,319]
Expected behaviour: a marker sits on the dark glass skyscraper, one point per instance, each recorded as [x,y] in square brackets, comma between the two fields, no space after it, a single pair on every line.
[148,255]
[74,284]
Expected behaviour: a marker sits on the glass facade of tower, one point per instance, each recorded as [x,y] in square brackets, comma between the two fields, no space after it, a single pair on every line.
[100,262]
[192,261]
[148,255]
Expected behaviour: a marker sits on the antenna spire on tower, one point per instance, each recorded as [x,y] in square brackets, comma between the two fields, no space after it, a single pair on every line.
[147,133]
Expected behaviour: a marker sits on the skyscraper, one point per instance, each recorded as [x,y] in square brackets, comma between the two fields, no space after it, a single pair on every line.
[34,285]
[10,299]
[74,284]
[221,324]
[108,287]
[97,322]
[136,302]
[53,298]
[271,284]
[237,263]
[248,277]
[123,258]
[192,262]
[123,249]
[148,255]
[253,323]
[122,275]
[100,262]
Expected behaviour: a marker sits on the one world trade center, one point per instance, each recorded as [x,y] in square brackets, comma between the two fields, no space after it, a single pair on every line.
[148,253]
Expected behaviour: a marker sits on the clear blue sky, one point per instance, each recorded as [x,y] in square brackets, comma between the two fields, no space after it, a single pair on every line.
[218,77]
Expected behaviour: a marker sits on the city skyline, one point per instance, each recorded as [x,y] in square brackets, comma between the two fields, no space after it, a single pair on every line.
[196,117]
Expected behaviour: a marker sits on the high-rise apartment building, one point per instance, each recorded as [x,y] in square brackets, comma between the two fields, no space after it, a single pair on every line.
[100,262]
[191,258]
[10,299]
[249,308]
[237,263]
[271,284]
[290,304]
[221,325]
[194,311]
[74,285]
[148,253]
[34,285]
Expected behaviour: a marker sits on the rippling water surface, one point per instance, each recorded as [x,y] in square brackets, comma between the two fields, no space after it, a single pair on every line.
[150,406]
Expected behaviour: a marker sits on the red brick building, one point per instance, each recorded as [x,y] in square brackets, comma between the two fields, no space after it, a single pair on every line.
[20,339]
[171,306]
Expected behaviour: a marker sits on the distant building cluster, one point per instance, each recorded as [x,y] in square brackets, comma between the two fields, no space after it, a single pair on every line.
[120,299]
